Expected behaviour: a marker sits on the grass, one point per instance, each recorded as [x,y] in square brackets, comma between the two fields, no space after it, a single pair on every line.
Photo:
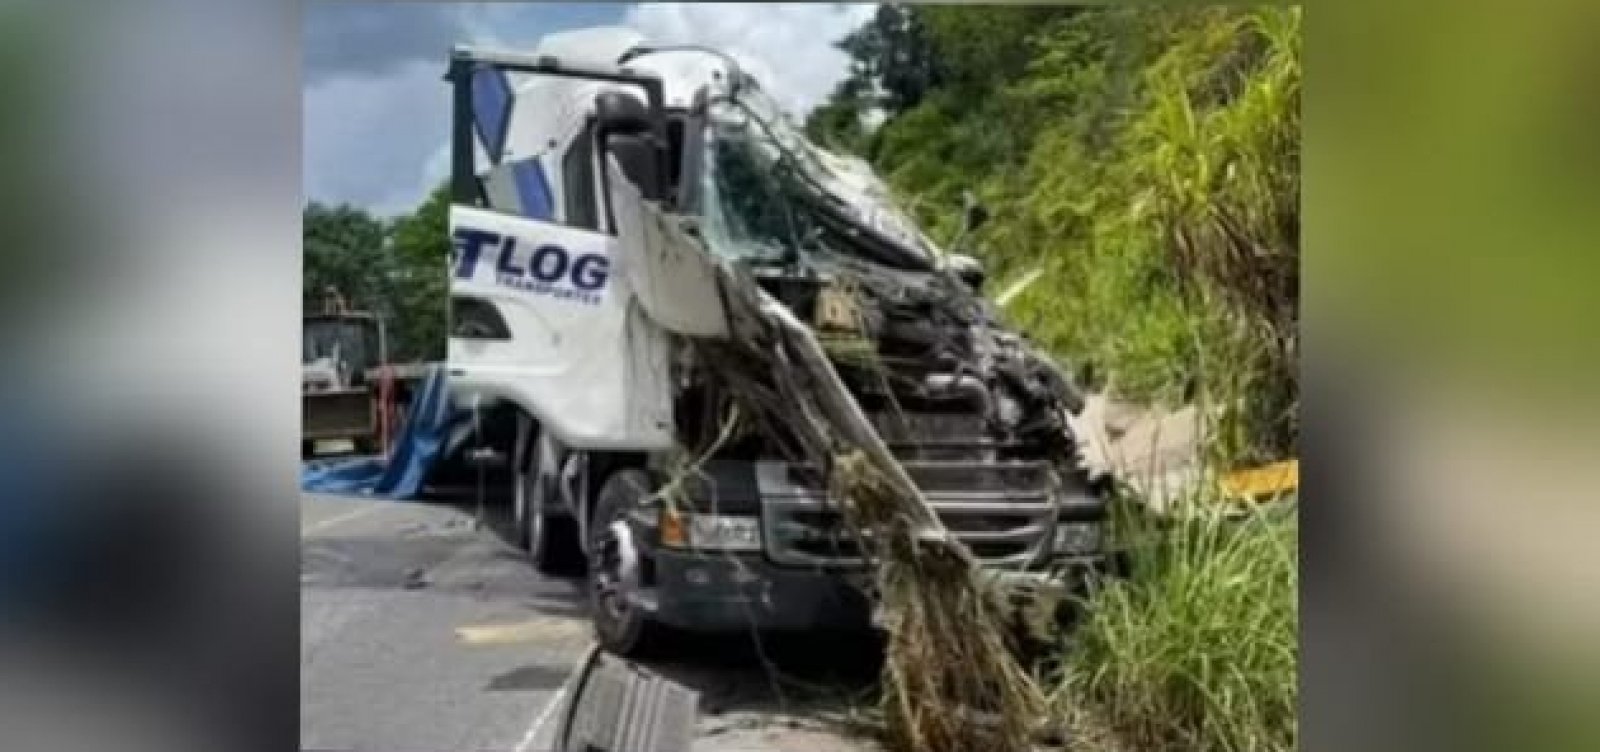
[1197,648]
[1155,187]
[1147,166]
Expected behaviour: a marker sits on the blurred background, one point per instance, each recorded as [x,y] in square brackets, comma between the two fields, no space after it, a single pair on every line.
[149,414]
[1450,192]
[149,409]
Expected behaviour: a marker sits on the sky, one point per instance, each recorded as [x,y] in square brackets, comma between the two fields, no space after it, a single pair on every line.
[376,109]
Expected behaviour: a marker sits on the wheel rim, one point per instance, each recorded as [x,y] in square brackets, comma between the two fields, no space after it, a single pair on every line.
[608,561]
[519,502]
[533,516]
[520,499]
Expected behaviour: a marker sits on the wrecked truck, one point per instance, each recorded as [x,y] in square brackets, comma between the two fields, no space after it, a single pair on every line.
[604,194]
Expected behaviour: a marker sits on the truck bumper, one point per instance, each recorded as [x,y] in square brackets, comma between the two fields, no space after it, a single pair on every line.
[735,592]
[726,592]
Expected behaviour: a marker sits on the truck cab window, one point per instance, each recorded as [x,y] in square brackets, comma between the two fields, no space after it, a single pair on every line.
[577,169]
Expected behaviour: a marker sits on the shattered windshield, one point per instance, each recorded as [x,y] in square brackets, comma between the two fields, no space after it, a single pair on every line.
[768,192]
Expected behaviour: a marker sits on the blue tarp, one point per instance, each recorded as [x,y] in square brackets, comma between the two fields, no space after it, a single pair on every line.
[413,453]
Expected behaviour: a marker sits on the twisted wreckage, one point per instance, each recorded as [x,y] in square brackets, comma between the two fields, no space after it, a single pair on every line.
[744,389]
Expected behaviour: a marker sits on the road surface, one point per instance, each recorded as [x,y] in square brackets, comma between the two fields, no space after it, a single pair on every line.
[424,632]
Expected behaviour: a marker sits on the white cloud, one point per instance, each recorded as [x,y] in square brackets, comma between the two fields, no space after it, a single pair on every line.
[375,38]
[485,24]
[377,135]
[788,47]
[368,139]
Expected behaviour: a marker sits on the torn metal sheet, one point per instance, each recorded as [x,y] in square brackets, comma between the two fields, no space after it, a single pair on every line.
[671,276]
[1154,452]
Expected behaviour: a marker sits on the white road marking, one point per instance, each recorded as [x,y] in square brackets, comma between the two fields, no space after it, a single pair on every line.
[343,518]
[555,702]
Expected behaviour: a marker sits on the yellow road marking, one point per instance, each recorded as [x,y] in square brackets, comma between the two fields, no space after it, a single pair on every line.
[536,630]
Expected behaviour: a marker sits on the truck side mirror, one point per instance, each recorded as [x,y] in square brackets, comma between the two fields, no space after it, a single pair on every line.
[621,112]
[623,128]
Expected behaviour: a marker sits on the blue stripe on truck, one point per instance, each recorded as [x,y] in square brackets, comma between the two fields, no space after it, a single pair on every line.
[533,189]
[491,104]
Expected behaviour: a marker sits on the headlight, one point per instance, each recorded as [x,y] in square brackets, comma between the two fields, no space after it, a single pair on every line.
[710,531]
[1079,538]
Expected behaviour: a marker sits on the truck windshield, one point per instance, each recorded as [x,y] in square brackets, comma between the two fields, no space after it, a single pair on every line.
[348,341]
[769,192]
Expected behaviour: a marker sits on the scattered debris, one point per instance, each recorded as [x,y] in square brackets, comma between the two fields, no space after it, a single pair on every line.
[416,577]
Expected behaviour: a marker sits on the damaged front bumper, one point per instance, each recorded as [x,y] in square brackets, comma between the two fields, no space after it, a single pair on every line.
[727,592]
[712,592]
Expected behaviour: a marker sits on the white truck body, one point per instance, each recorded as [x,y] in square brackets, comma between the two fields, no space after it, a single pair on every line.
[601,238]
[581,358]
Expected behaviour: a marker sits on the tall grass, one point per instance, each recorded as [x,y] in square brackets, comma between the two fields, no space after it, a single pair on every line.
[1150,171]
[1196,649]
[1158,193]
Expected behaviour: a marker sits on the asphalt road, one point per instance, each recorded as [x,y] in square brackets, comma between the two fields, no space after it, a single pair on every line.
[421,632]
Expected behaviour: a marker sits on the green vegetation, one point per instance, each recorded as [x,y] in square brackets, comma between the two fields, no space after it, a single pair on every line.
[1197,648]
[395,269]
[1146,162]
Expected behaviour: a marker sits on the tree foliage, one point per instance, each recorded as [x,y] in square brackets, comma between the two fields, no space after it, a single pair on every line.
[343,248]
[420,245]
[892,67]
[893,54]
[395,269]
[1145,160]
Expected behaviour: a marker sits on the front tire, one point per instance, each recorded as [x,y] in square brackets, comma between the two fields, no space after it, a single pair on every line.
[620,625]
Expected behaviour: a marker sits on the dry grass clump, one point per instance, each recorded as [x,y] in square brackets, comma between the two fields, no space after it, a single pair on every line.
[952,680]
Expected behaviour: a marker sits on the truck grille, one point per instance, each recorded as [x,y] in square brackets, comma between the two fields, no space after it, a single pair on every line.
[937,436]
[1002,511]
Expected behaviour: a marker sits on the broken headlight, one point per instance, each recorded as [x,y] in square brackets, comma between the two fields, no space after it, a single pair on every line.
[710,531]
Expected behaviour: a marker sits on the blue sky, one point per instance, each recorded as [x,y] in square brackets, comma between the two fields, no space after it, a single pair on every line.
[376,110]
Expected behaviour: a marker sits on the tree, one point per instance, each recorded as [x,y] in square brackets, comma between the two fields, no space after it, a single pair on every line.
[396,270]
[839,124]
[894,56]
[343,248]
[420,255]
[892,66]
[978,49]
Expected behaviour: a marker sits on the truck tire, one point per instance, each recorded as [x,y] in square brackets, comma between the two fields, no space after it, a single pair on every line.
[620,626]
[551,541]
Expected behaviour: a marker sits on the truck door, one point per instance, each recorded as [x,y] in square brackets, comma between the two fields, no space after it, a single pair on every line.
[542,315]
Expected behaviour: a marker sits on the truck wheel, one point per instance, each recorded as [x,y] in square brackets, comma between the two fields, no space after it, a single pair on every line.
[620,626]
[551,542]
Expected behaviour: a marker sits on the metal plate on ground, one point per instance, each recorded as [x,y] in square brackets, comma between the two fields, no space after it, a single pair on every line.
[622,707]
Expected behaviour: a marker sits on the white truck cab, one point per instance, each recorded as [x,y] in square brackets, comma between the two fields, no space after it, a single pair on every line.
[560,320]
